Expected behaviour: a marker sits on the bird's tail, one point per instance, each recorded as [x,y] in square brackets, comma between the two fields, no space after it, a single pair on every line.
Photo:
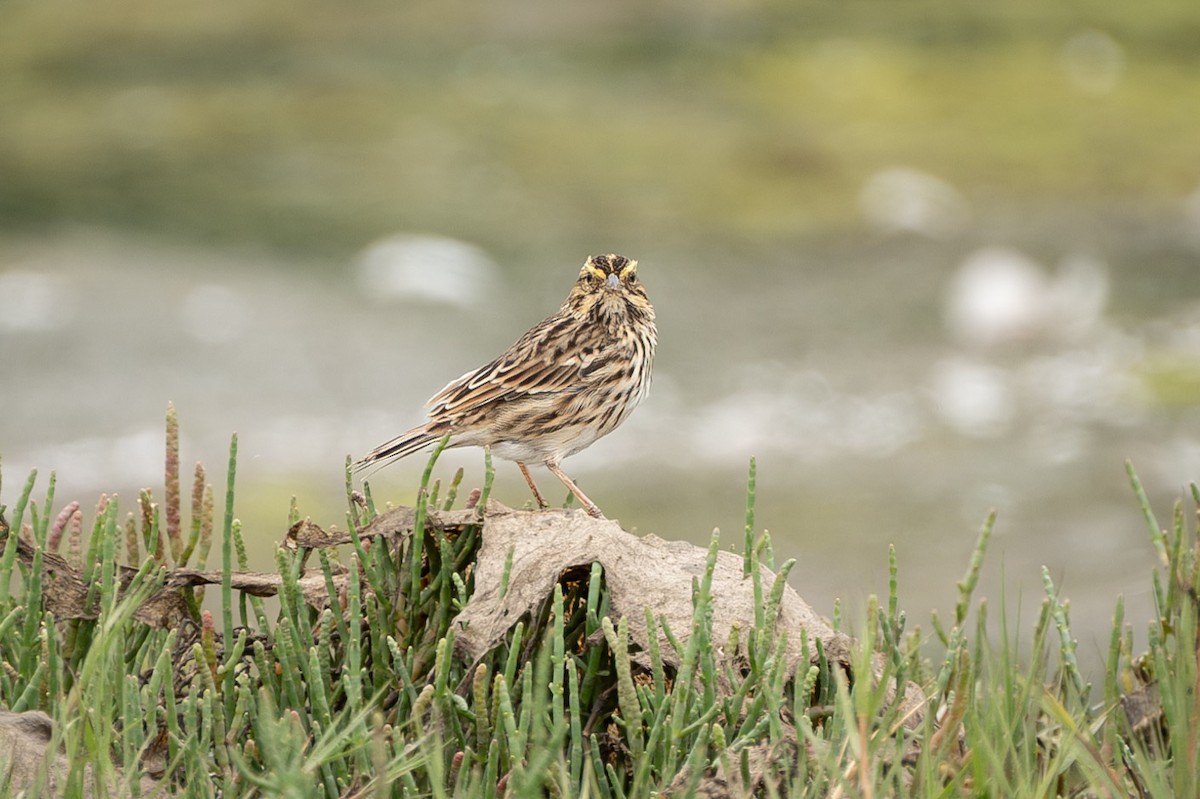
[401,446]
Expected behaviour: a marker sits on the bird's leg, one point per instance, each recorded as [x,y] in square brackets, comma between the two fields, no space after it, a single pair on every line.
[588,505]
[537,495]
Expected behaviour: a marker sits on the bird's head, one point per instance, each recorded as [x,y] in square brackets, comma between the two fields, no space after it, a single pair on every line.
[609,285]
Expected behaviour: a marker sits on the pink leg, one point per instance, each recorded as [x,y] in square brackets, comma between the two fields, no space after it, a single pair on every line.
[588,505]
[537,495]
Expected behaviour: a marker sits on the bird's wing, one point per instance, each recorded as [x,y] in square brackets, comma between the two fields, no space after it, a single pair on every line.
[543,361]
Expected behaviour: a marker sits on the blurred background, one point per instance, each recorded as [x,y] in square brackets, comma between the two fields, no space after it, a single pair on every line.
[920,259]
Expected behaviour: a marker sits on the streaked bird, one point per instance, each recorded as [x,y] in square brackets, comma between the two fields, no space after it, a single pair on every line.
[572,378]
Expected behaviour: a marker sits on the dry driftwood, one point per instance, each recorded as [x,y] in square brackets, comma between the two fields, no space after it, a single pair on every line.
[65,592]
[24,752]
[639,572]
[540,547]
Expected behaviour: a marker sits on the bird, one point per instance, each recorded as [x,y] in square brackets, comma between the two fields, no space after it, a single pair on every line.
[570,379]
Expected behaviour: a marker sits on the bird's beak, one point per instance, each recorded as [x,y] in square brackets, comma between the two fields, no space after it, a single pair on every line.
[612,282]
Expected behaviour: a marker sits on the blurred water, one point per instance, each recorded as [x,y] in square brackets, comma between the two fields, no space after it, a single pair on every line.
[893,387]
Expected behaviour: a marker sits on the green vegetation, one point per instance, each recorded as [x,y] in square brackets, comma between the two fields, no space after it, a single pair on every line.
[315,129]
[368,696]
